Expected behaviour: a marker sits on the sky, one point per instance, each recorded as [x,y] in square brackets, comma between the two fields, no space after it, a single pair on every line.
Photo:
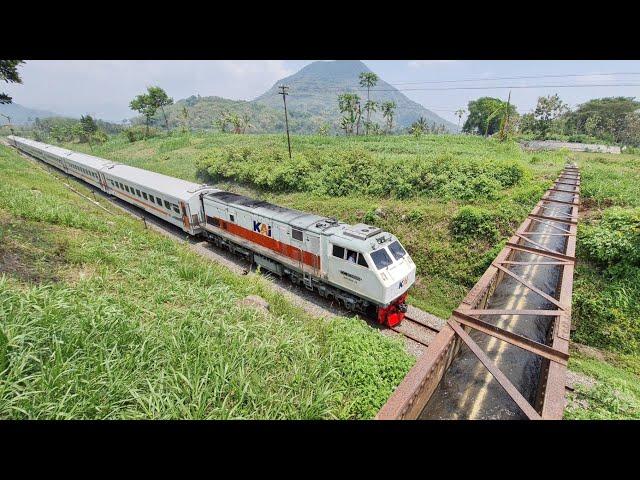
[104,88]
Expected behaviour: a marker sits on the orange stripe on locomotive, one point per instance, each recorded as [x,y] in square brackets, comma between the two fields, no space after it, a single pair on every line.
[282,248]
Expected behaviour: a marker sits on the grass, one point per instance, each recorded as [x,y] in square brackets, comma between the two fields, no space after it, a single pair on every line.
[451,223]
[100,318]
[613,391]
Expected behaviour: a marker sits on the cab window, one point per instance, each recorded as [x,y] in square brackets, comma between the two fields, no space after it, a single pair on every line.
[296,234]
[396,250]
[362,261]
[352,256]
[338,251]
[381,258]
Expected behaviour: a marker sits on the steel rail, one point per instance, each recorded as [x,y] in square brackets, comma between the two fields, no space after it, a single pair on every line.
[414,392]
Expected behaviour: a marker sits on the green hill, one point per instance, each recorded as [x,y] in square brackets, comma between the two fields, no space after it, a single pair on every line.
[315,88]
[21,115]
[312,102]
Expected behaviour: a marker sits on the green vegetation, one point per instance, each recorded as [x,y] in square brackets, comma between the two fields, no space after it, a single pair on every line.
[101,318]
[452,200]
[609,387]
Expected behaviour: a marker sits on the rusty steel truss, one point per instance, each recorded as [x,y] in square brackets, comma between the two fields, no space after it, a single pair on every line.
[413,393]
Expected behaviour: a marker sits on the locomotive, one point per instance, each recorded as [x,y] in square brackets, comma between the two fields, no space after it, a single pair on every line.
[361,266]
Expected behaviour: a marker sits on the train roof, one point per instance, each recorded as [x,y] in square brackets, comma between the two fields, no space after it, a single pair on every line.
[78,157]
[175,187]
[290,216]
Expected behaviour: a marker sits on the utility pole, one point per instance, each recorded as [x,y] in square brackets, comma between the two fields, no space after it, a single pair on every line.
[284,93]
[505,121]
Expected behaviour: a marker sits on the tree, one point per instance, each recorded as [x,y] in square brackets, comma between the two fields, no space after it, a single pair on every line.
[459,113]
[419,127]
[222,122]
[245,122]
[388,111]
[143,104]
[159,99]
[324,129]
[485,115]
[370,106]
[89,127]
[184,118]
[349,106]
[368,80]
[9,74]
[547,110]
[605,118]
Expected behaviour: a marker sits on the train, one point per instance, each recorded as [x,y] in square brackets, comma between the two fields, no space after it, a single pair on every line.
[361,266]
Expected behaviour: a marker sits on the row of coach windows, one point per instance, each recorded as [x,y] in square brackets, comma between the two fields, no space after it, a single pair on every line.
[84,171]
[147,196]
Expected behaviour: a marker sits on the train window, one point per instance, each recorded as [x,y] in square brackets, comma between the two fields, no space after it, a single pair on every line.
[138,193]
[381,258]
[362,261]
[232,218]
[338,251]
[396,250]
[126,187]
[213,221]
[352,256]
[144,195]
[159,201]
[296,234]
[167,205]
[175,208]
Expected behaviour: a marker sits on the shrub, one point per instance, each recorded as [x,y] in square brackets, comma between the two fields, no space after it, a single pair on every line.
[139,132]
[615,238]
[473,222]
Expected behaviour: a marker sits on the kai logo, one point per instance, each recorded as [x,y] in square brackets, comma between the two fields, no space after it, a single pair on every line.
[262,228]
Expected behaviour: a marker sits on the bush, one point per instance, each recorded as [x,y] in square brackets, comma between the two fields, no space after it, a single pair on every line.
[473,222]
[139,132]
[615,238]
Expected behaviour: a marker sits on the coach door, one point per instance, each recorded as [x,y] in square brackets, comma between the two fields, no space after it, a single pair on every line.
[185,216]
[312,243]
[103,181]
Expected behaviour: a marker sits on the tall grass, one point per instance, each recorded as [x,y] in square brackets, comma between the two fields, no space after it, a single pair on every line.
[133,325]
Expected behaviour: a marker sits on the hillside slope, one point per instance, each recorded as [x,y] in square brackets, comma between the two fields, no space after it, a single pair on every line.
[21,115]
[314,89]
[312,103]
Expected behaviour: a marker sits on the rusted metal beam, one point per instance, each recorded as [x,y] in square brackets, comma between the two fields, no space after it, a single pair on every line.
[524,248]
[513,338]
[497,311]
[553,219]
[502,379]
[529,285]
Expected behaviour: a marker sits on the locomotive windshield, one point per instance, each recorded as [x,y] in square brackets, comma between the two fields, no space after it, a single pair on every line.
[396,250]
[381,258]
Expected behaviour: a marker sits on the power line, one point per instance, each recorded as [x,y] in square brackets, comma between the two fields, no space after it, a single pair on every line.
[498,87]
[515,78]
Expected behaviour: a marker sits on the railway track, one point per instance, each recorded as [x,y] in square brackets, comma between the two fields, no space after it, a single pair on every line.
[417,330]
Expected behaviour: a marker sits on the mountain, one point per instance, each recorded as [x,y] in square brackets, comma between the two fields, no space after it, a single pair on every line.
[315,88]
[21,115]
[312,102]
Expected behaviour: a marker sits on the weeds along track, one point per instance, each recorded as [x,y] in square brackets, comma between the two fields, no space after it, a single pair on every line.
[503,352]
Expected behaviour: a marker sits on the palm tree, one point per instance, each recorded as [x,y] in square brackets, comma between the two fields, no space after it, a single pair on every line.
[387,113]
[368,80]
[419,127]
